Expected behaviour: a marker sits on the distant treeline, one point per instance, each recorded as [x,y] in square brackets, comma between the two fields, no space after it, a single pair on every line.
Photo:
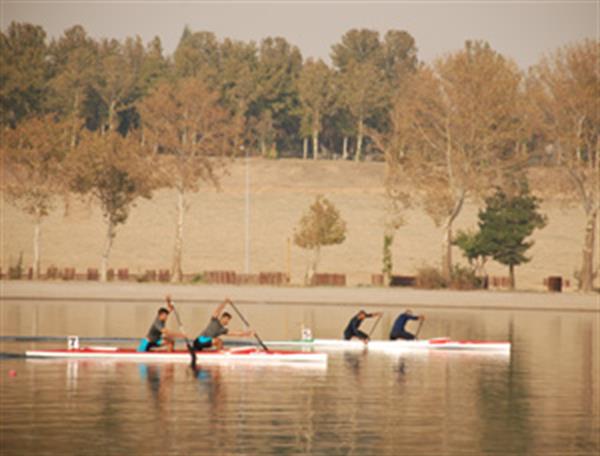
[283,99]
[115,120]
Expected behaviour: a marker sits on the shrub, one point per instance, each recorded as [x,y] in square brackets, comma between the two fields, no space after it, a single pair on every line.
[464,279]
[430,277]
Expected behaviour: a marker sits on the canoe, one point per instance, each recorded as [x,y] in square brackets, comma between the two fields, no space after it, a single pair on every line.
[394,346]
[239,355]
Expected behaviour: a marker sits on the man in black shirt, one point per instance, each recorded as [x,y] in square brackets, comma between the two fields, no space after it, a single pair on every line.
[352,330]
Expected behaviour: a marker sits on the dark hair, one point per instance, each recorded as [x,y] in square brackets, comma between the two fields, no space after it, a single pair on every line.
[163,310]
[226,314]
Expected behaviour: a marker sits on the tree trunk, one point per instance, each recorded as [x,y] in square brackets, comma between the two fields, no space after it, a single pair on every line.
[388,265]
[447,238]
[74,127]
[315,138]
[36,245]
[110,236]
[176,270]
[111,115]
[263,147]
[345,148]
[586,282]
[511,276]
[305,148]
[312,269]
[359,139]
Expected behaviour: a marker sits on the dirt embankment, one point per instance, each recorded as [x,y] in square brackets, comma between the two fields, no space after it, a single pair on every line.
[279,192]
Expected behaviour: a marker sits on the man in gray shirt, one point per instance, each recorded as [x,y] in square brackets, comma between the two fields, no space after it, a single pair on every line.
[217,327]
[158,335]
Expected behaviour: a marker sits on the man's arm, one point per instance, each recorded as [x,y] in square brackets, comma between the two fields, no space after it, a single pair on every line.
[249,333]
[169,303]
[375,314]
[220,308]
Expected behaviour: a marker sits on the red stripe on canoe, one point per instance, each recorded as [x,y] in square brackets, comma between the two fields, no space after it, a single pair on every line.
[472,342]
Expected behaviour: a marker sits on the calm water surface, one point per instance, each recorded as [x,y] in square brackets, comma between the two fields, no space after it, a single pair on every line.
[542,399]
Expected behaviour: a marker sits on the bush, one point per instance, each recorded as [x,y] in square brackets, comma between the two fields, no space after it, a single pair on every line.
[16,272]
[430,277]
[464,279]
[198,278]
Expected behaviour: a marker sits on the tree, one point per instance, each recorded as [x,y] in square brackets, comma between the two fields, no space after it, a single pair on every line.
[370,72]
[399,57]
[316,96]
[276,90]
[115,171]
[458,130]
[117,83]
[476,252]
[505,224]
[23,72]
[184,124]
[394,219]
[33,156]
[73,61]
[357,46]
[564,90]
[197,56]
[320,226]
[363,92]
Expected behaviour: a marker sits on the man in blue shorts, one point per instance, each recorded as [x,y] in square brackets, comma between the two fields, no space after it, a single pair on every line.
[158,335]
[217,326]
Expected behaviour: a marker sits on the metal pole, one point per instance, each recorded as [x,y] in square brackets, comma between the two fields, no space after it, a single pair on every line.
[247,234]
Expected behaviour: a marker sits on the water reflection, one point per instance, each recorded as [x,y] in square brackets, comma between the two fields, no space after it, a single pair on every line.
[542,399]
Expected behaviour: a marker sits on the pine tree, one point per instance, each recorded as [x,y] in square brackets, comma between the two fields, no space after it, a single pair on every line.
[505,224]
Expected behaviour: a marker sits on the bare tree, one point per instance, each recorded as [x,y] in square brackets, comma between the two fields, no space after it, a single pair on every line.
[457,132]
[564,90]
[114,171]
[33,156]
[193,135]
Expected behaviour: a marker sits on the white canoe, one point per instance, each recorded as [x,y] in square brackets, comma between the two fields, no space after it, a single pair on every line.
[393,346]
[239,355]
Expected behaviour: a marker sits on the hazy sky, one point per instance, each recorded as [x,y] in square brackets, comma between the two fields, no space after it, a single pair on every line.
[523,30]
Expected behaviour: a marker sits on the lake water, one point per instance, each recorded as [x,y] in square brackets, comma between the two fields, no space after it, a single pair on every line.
[542,399]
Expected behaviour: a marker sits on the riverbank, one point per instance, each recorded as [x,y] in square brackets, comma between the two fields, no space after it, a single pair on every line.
[248,229]
[11,291]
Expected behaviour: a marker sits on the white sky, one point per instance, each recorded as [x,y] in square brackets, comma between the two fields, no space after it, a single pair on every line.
[523,30]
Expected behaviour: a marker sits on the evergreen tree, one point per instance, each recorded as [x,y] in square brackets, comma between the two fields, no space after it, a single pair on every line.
[505,224]
[23,72]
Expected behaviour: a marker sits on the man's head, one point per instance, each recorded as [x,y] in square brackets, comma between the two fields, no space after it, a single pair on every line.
[362,315]
[408,312]
[163,313]
[225,318]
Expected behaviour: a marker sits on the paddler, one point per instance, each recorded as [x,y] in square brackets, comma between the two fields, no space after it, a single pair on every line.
[352,331]
[217,327]
[158,335]
[398,331]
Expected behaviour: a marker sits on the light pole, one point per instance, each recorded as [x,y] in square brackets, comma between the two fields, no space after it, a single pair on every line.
[247,218]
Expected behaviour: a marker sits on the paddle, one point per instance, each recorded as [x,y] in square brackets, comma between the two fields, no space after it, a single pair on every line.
[375,325]
[187,341]
[419,328]
[262,344]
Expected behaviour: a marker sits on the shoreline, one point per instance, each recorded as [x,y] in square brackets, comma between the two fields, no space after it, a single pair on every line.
[299,296]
